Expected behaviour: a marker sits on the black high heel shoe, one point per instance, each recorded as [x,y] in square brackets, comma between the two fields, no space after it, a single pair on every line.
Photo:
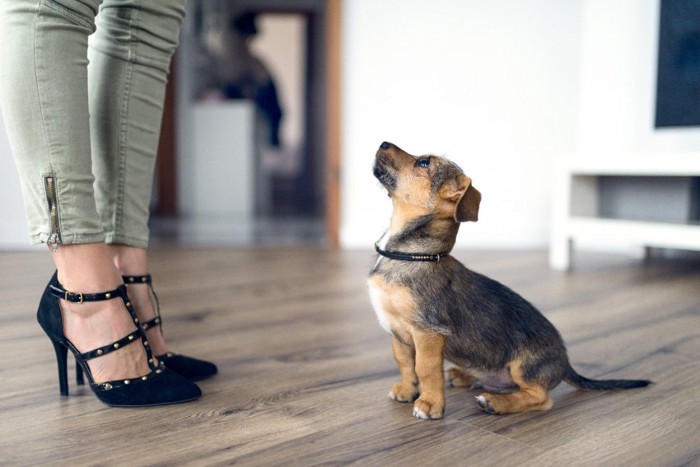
[191,368]
[159,387]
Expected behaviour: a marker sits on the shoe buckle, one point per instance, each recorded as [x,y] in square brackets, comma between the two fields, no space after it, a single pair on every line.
[80,297]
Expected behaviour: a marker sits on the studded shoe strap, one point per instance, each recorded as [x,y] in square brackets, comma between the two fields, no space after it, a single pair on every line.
[147,279]
[60,292]
[116,384]
[112,347]
[76,297]
[151,323]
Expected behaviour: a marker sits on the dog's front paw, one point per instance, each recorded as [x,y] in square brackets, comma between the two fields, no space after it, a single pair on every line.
[428,410]
[400,393]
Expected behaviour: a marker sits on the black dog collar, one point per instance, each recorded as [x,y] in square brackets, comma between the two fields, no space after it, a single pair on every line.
[435,257]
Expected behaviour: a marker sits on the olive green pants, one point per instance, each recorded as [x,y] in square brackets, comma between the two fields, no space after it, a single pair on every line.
[83,111]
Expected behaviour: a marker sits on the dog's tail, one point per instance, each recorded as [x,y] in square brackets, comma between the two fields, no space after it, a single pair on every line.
[581,382]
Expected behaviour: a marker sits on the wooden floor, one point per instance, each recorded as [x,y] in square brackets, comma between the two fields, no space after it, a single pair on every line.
[305,368]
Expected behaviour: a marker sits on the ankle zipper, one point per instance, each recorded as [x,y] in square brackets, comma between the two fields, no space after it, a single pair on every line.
[55,236]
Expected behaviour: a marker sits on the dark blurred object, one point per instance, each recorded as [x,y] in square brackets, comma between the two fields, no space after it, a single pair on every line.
[678,80]
[263,92]
[244,24]
[238,74]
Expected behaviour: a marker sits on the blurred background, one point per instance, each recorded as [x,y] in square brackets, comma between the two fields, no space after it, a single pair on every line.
[276,109]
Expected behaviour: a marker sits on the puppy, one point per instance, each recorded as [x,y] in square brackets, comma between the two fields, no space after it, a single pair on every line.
[435,308]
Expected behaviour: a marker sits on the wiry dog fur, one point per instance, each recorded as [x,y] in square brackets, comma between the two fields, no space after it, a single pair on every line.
[441,310]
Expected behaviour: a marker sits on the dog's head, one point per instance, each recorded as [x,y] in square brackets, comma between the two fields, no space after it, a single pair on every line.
[426,185]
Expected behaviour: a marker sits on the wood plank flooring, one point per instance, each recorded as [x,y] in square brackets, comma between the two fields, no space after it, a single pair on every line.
[305,368]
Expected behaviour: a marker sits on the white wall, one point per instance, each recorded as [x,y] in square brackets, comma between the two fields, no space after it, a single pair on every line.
[492,85]
[14,233]
[619,58]
[504,87]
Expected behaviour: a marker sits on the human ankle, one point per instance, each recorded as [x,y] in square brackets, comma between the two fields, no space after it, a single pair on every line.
[85,268]
[129,260]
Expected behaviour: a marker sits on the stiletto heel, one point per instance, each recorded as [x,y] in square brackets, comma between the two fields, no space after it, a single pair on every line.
[192,369]
[159,387]
[61,357]
[79,375]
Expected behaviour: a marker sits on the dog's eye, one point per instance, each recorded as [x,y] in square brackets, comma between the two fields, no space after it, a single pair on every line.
[424,163]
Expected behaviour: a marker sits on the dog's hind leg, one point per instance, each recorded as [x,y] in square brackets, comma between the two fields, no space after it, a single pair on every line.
[405,356]
[529,397]
[459,378]
[525,400]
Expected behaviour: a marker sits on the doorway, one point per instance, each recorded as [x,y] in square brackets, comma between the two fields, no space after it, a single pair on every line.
[228,51]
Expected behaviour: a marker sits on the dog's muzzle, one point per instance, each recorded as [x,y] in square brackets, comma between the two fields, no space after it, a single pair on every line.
[383,171]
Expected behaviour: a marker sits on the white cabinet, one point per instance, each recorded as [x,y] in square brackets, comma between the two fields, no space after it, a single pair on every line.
[223,165]
[579,210]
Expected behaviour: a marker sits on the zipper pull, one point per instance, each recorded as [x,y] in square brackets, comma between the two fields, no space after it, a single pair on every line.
[53,242]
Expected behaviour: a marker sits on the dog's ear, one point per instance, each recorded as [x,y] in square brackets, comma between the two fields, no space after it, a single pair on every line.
[467,208]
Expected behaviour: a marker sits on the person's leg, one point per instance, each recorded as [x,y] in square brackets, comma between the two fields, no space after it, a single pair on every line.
[129,63]
[44,100]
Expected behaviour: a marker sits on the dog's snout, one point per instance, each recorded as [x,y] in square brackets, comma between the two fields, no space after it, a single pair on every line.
[385,145]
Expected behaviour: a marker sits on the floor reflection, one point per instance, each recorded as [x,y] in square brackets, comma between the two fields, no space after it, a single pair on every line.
[239,231]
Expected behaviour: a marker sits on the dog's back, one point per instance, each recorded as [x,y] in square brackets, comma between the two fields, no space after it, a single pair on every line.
[486,324]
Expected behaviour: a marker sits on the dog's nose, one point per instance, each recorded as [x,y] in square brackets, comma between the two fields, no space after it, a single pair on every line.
[385,145]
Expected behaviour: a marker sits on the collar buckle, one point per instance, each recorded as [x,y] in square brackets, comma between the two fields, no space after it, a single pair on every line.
[400,256]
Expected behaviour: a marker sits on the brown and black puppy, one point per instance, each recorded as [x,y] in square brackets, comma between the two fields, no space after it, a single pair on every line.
[436,309]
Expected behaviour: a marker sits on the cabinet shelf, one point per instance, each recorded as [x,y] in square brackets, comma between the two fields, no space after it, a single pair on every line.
[577,214]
